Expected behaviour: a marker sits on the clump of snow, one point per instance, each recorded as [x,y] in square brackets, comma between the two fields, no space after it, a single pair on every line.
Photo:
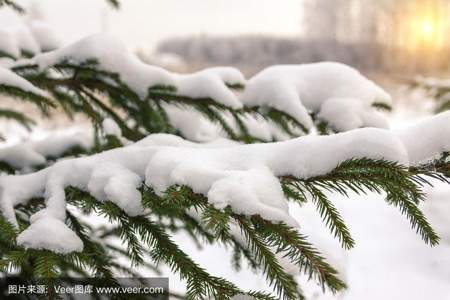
[8,44]
[168,61]
[300,89]
[11,79]
[22,37]
[116,183]
[113,56]
[162,139]
[241,176]
[44,35]
[50,234]
[29,154]
[31,34]
[344,114]
[111,128]
[21,156]
[191,124]
[253,191]
[428,138]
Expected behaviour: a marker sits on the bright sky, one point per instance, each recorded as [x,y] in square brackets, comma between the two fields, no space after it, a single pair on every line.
[145,22]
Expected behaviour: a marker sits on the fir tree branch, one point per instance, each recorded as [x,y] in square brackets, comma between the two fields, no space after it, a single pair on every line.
[295,246]
[363,175]
[283,283]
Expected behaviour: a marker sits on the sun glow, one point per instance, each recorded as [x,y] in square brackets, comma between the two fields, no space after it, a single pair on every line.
[426,27]
[428,32]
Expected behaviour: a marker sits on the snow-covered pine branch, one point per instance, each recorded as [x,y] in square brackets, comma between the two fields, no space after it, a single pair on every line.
[28,155]
[327,92]
[81,75]
[25,36]
[164,175]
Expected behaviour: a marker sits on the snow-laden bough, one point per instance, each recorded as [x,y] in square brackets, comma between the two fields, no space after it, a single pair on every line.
[299,90]
[113,56]
[244,177]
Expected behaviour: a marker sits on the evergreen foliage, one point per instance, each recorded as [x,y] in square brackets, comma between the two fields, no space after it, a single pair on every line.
[265,241]
[83,88]
[146,241]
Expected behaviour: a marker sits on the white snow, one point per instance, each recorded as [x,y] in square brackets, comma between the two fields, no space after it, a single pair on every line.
[11,79]
[22,36]
[242,176]
[191,124]
[8,43]
[427,138]
[26,155]
[44,35]
[21,156]
[300,89]
[120,188]
[344,114]
[51,234]
[111,128]
[31,34]
[114,57]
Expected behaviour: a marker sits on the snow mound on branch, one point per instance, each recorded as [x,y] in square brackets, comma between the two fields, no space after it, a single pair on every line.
[11,79]
[244,177]
[195,127]
[344,114]
[44,35]
[50,234]
[111,128]
[113,56]
[191,123]
[21,156]
[18,35]
[300,89]
[8,44]
[254,191]
[163,139]
[34,153]
[427,138]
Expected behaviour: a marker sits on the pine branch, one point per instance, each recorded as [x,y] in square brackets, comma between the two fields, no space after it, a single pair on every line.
[382,106]
[283,283]
[326,208]
[85,78]
[40,101]
[363,175]
[12,4]
[200,283]
[295,246]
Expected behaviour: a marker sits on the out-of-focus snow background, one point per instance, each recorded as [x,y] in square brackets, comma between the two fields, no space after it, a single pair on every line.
[389,41]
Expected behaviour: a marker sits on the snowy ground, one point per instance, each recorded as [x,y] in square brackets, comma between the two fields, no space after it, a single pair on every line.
[389,261]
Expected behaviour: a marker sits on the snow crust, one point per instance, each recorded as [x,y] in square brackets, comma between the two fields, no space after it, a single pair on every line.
[241,176]
[113,56]
[300,89]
